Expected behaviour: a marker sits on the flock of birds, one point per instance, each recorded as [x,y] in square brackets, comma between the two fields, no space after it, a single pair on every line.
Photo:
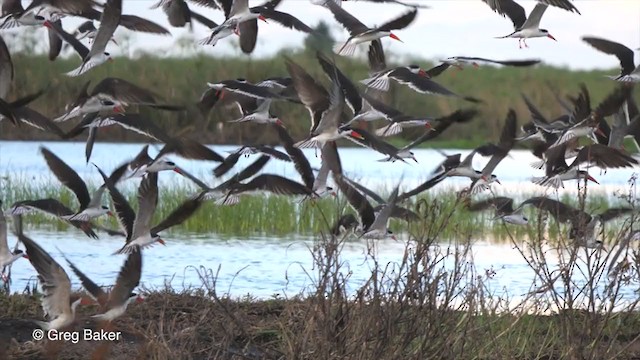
[553,140]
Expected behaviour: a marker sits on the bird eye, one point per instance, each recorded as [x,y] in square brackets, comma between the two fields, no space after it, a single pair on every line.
[107,54]
[107,103]
[38,17]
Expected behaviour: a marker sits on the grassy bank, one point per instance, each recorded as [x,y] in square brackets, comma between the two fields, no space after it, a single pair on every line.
[170,325]
[182,80]
[413,309]
[281,215]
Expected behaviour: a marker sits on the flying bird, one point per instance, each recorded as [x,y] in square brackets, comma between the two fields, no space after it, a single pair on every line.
[628,70]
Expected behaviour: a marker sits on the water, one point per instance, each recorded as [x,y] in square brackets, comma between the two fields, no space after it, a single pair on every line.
[23,159]
[263,266]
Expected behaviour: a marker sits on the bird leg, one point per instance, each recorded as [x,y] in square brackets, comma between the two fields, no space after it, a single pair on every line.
[520,43]
[524,41]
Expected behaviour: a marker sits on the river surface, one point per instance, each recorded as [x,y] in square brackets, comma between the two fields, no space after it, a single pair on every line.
[266,266]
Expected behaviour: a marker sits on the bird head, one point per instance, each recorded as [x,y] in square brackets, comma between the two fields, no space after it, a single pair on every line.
[546,32]
[20,252]
[106,210]
[159,240]
[585,175]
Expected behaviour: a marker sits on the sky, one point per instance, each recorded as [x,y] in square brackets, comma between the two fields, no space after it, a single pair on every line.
[447,28]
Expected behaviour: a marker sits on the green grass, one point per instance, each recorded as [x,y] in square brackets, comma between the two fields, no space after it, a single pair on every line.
[182,80]
[270,215]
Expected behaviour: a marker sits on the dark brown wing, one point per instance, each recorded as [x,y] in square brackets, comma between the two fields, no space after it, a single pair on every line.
[377,60]
[350,91]
[190,149]
[66,6]
[612,103]
[55,42]
[499,203]
[96,291]
[82,50]
[437,70]
[68,177]
[123,90]
[613,213]
[248,35]
[139,24]
[275,184]
[128,279]
[443,123]
[559,210]
[423,187]
[208,3]
[623,53]
[401,22]
[124,213]
[353,25]
[313,95]
[556,161]
[424,85]
[6,69]
[509,8]
[300,161]
[357,201]
[603,157]
[562,4]
[286,20]
[180,214]
[228,163]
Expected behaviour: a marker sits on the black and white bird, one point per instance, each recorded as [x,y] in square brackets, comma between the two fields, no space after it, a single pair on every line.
[57,302]
[7,257]
[114,303]
[98,55]
[503,208]
[558,171]
[583,225]
[628,70]
[360,33]
[371,226]
[525,27]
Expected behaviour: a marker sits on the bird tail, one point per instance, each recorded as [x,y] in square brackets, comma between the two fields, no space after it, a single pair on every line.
[228,200]
[389,130]
[539,164]
[626,78]
[9,23]
[346,49]
[127,249]
[553,181]
[379,83]
[307,144]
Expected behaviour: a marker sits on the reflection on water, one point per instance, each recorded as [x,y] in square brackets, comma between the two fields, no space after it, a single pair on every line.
[23,159]
[262,267]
